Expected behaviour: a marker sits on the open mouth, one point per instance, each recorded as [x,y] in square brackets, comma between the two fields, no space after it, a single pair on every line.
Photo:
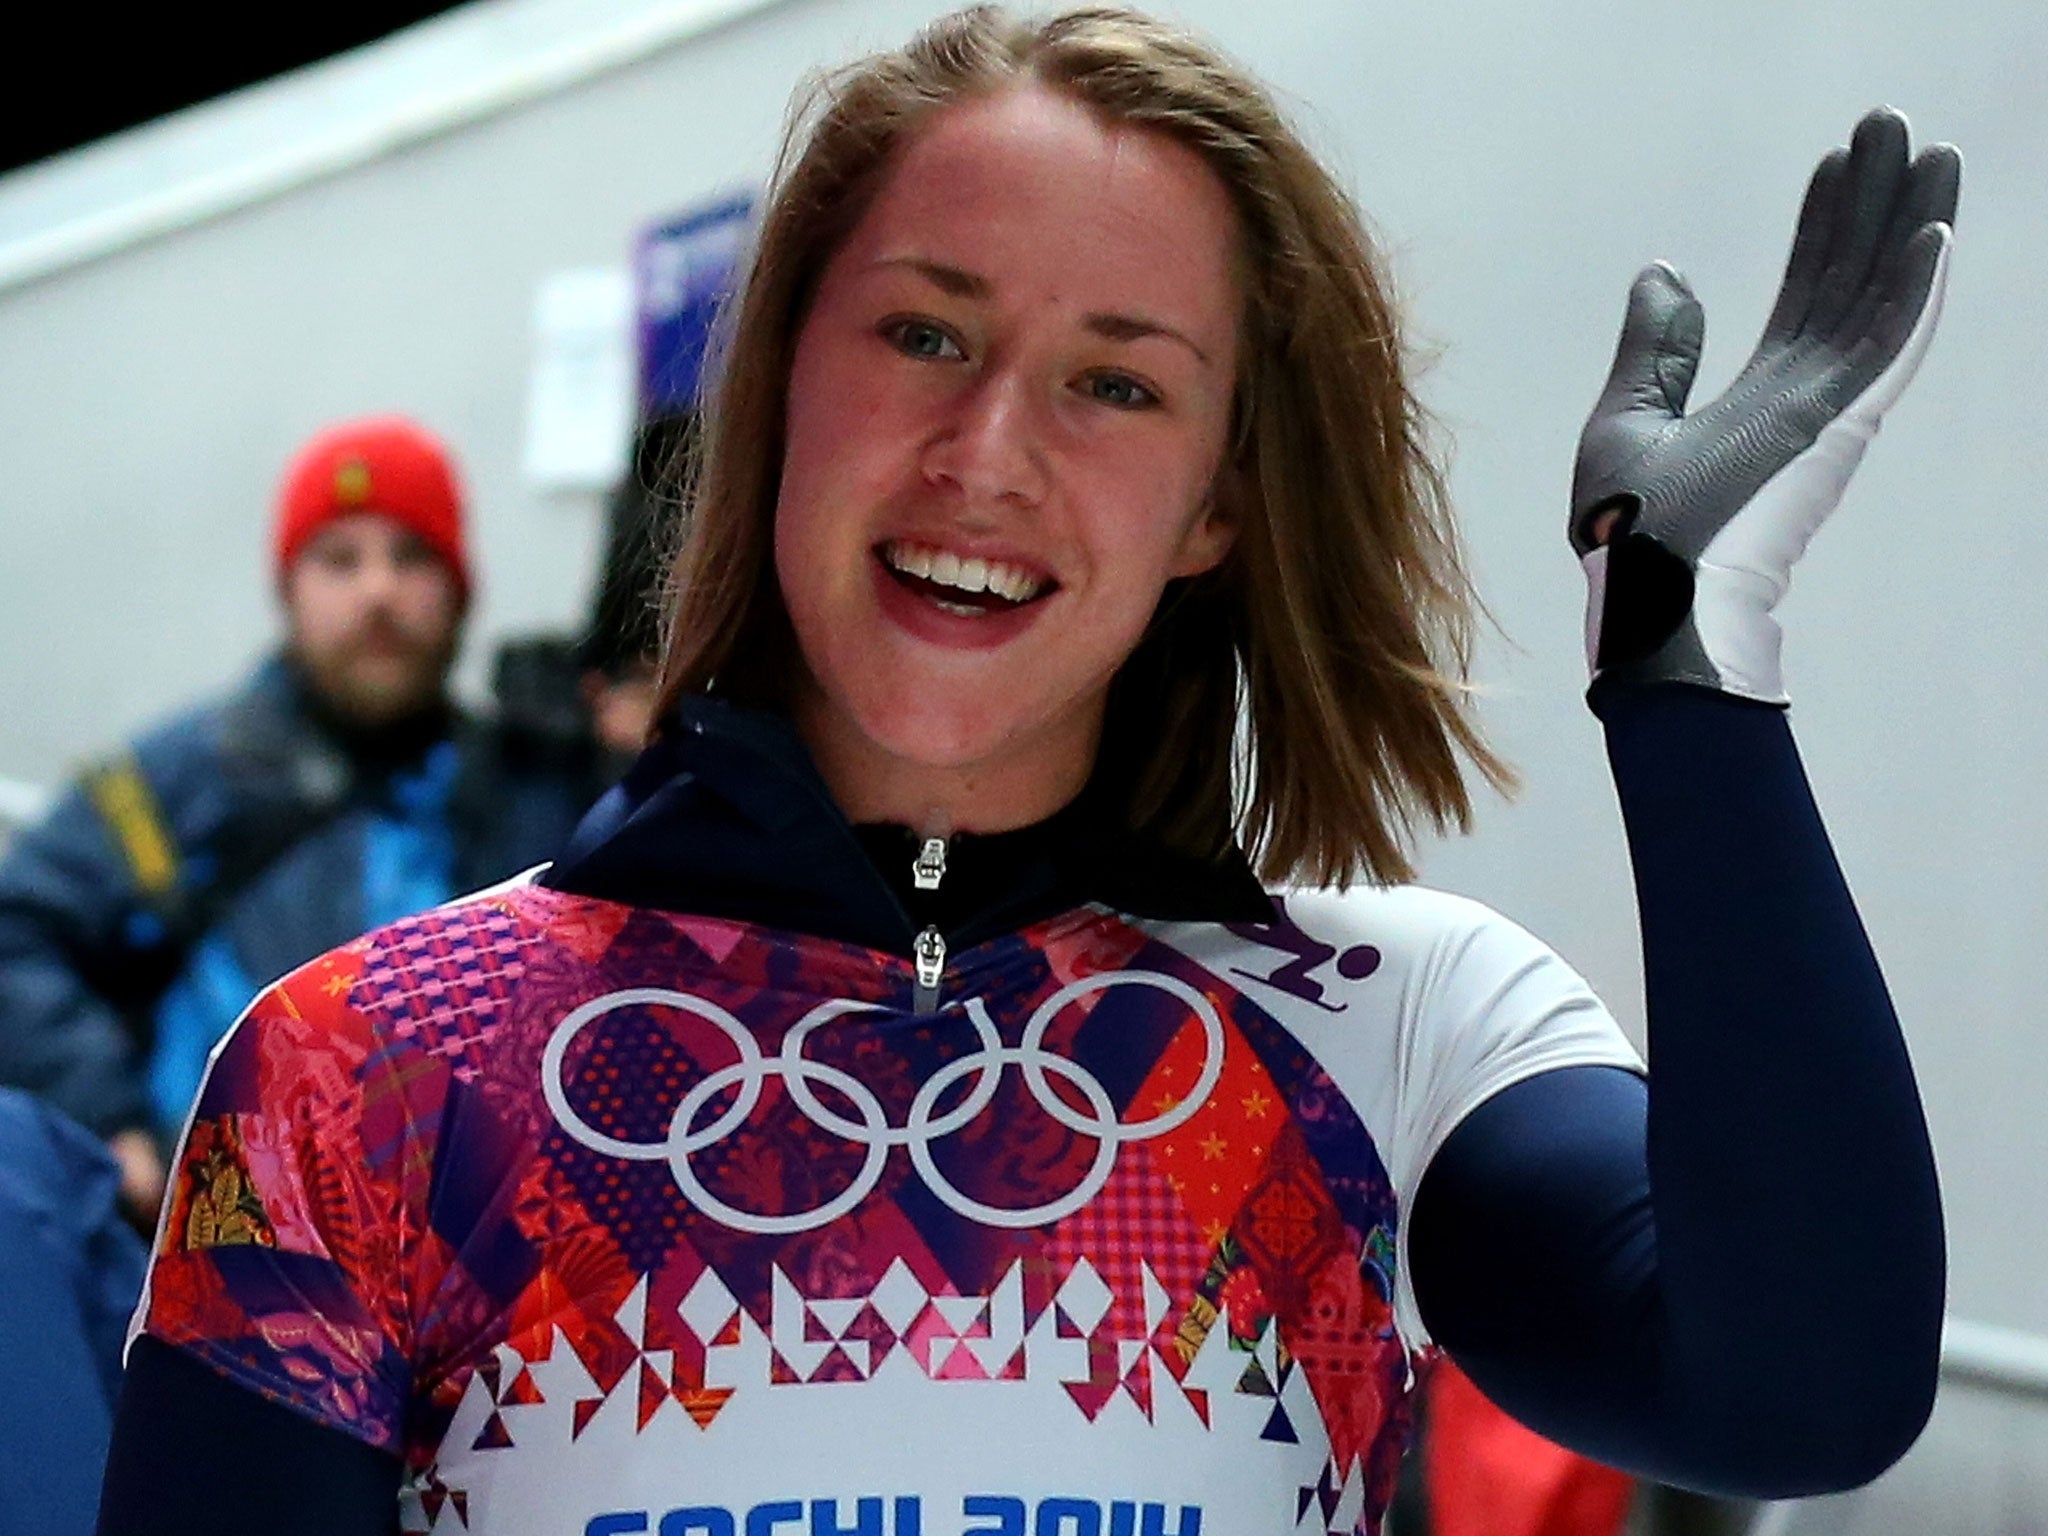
[964,585]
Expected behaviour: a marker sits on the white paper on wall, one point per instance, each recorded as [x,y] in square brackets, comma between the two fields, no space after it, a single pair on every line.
[579,407]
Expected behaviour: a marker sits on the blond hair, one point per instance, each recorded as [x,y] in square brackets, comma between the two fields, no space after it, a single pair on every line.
[1341,622]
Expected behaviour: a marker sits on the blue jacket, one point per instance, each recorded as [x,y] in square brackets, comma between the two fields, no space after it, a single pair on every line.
[69,1273]
[227,846]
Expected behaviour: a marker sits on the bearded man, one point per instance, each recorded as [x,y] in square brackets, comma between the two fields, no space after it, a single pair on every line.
[338,788]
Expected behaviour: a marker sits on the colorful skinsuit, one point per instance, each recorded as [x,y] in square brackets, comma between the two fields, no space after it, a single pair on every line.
[610,1219]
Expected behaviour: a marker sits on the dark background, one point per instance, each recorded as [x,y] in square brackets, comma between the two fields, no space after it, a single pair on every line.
[77,72]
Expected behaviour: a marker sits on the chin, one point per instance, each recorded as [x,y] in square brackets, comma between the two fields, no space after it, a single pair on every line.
[956,739]
[924,741]
[379,702]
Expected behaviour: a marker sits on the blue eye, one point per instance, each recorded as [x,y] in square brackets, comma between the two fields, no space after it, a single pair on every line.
[921,338]
[1120,390]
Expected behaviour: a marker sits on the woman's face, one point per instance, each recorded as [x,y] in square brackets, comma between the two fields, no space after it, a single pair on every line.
[1008,406]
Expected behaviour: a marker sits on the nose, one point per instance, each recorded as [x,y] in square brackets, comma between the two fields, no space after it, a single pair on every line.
[990,445]
[377,577]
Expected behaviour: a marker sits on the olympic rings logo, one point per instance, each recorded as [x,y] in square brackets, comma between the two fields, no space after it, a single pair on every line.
[870,1127]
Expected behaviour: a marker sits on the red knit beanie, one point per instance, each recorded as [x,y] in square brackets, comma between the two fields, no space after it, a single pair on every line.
[383,464]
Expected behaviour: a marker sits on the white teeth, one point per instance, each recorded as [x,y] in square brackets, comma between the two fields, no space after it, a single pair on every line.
[1007,581]
[969,574]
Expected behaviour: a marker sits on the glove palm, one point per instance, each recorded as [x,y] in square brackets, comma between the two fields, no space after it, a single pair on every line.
[1688,525]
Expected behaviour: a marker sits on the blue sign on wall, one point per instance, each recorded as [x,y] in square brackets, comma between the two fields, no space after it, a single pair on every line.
[684,269]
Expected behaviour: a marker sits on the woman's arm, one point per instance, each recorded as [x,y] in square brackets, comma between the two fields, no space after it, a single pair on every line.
[196,1455]
[1731,1280]
[228,1419]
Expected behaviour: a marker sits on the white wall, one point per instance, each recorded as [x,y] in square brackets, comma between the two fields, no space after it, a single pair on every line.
[1977,1471]
[1522,161]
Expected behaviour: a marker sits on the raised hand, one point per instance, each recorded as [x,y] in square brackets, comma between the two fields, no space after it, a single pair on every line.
[1688,525]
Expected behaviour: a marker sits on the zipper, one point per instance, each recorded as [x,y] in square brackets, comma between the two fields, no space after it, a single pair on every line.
[929,953]
[929,950]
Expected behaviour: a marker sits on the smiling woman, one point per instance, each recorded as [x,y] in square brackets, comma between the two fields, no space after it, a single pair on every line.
[1154,330]
[973,380]
[902,1109]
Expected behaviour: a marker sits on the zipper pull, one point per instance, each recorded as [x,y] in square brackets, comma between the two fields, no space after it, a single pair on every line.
[929,867]
[930,955]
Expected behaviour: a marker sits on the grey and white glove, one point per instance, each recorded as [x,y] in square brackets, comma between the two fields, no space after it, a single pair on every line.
[1688,525]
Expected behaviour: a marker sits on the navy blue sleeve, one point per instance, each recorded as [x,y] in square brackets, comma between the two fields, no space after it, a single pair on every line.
[1731,1278]
[195,1454]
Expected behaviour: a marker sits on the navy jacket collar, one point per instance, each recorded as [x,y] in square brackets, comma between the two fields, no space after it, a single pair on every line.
[726,816]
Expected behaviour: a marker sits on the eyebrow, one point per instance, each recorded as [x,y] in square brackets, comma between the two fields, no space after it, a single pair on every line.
[959,284]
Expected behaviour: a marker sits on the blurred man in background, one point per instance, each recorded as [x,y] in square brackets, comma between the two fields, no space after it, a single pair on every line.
[587,701]
[580,705]
[617,654]
[339,788]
